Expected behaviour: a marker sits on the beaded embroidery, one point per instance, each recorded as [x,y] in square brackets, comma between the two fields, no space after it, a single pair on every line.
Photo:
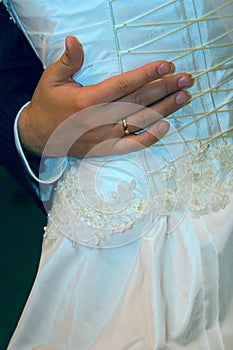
[199,183]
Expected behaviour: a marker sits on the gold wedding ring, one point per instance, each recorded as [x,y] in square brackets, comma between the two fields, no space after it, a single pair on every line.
[125,126]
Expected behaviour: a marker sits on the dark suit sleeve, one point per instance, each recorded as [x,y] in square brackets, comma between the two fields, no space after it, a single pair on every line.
[20,71]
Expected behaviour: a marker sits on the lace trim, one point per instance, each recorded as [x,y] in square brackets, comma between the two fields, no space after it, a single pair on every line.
[199,183]
[83,212]
[208,174]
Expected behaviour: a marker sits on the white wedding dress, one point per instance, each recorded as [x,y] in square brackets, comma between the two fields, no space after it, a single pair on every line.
[138,250]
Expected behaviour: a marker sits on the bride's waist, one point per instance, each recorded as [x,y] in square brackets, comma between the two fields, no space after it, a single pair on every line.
[203,172]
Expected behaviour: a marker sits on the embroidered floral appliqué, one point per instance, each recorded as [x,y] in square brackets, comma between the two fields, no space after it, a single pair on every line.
[200,183]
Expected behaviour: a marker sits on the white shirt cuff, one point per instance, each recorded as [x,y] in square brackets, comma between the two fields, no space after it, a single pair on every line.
[53,168]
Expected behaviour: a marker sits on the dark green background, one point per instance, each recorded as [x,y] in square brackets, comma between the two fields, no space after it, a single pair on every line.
[21,230]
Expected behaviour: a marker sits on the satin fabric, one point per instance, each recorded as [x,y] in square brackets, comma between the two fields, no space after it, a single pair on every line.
[137,253]
[163,292]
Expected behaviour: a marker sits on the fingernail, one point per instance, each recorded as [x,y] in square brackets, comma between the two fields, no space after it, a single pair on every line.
[185,81]
[182,98]
[164,68]
[163,127]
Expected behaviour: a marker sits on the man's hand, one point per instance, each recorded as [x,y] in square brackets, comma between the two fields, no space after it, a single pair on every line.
[58,96]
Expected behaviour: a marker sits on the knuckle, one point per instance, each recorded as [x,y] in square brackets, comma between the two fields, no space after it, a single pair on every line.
[64,59]
[141,120]
[168,108]
[139,99]
[150,139]
[166,87]
[164,111]
[148,74]
[123,86]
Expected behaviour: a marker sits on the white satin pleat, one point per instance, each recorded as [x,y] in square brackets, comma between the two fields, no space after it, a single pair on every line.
[165,291]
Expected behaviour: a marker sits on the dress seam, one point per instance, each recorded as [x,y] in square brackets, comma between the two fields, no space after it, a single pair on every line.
[120,68]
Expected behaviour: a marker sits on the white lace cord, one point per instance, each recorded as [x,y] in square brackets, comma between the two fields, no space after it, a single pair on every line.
[126,24]
[175,30]
[204,115]
[185,52]
[185,154]
[210,90]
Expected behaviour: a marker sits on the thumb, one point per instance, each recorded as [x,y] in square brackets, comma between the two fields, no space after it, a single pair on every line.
[71,59]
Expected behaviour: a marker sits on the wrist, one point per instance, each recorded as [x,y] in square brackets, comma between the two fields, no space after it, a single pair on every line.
[27,135]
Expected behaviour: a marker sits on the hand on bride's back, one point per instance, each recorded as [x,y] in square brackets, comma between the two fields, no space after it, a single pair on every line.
[58,96]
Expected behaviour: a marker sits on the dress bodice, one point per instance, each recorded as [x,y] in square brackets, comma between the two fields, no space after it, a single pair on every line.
[118,36]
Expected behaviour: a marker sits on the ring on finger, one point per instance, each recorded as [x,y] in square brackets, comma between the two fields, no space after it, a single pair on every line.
[125,126]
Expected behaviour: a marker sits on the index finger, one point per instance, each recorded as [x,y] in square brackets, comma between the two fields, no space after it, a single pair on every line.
[123,84]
